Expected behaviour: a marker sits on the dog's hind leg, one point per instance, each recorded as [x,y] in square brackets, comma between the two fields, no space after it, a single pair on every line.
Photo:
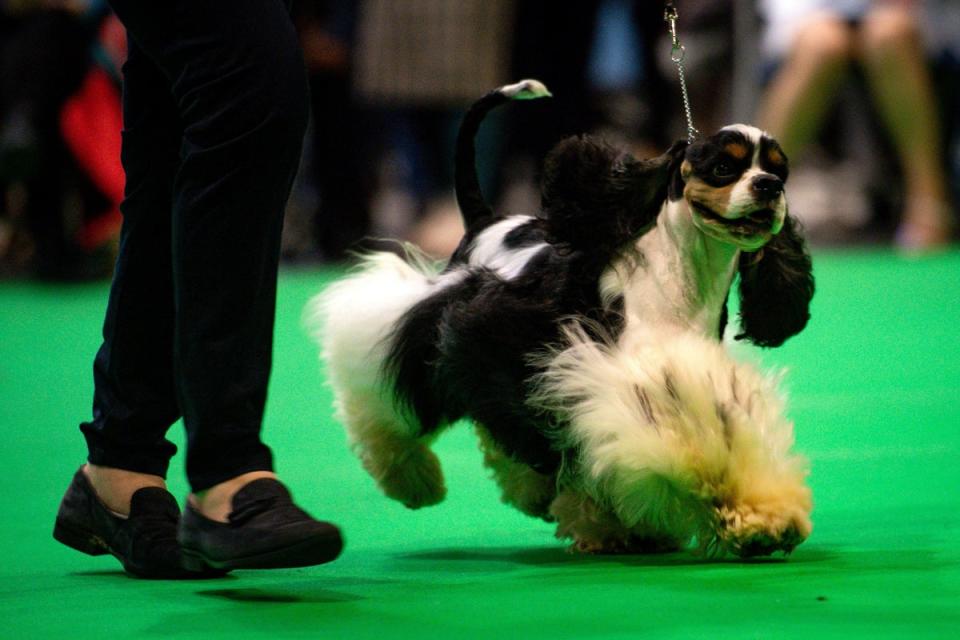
[401,463]
[354,321]
[592,529]
[521,486]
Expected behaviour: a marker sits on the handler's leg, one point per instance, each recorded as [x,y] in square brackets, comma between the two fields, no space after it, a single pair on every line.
[134,396]
[238,79]
[117,503]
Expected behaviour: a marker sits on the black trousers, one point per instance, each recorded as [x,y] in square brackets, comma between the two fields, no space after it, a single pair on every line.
[215,108]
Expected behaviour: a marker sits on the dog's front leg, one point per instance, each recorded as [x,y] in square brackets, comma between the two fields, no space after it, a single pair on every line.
[521,486]
[595,529]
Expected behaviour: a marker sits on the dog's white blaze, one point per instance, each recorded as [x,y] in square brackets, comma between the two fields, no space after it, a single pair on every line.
[489,251]
[741,196]
[751,133]
[742,199]
[672,288]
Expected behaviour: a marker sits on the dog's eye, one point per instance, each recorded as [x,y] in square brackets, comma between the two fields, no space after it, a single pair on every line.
[723,170]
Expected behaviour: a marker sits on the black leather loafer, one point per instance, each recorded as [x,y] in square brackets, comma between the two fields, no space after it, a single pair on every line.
[266,530]
[145,543]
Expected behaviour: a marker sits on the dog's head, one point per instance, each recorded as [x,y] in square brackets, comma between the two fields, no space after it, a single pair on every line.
[734,186]
[597,199]
[733,183]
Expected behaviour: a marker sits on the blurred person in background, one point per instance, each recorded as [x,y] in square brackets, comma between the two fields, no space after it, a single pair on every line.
[420,62]
[706,31]
[815,44]
[610,61]
[329,212]
[942,28]
[60,175]
[416,64]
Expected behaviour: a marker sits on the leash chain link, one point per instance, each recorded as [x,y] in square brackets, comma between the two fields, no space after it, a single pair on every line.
[677,53]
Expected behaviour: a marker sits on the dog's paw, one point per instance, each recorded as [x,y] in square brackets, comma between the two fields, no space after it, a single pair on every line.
[630,545]
[748,532]
[764,543]
[415,478]
[593,547]
[592,528]
[648,545]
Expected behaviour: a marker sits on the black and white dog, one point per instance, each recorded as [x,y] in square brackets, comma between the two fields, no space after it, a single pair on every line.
[584,343]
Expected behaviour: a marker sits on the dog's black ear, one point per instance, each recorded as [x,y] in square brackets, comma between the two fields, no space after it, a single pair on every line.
[655,177]
[596,196]
[676,184]
[776,286]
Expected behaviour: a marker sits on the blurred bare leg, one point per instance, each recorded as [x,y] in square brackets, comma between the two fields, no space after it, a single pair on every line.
[892,55]
[801,93]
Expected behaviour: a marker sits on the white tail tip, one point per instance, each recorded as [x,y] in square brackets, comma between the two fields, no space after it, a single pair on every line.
[526,90]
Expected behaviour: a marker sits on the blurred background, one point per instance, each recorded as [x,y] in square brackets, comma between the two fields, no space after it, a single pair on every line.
[862,94]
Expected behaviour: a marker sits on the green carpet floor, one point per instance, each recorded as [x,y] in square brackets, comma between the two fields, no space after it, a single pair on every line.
[875,393]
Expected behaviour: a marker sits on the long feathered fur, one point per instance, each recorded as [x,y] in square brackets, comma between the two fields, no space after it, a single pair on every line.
[776,288]
[676,436]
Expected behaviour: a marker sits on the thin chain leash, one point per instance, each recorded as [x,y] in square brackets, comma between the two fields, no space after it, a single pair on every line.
[677,53]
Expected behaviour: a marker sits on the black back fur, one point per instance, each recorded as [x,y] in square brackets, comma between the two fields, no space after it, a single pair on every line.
[467,350]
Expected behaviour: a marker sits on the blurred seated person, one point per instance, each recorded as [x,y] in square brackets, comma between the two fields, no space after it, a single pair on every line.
[816,42]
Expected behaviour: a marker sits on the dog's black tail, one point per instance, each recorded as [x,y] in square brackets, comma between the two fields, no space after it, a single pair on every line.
[469,197]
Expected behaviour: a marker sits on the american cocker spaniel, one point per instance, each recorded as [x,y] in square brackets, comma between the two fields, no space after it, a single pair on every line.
[585,344]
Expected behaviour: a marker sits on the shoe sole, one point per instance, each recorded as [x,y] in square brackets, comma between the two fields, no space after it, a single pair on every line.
[82,541]
[306,553]
[93,545]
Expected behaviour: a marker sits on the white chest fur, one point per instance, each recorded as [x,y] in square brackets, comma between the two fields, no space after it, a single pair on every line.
[677,278]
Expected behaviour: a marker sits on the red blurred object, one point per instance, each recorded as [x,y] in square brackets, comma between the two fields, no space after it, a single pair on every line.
[90,122]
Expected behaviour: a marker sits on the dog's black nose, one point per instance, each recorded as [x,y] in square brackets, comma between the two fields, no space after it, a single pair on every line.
[767,186]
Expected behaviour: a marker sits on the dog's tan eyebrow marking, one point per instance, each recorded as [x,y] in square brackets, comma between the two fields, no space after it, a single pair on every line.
[775,156]
[737,150]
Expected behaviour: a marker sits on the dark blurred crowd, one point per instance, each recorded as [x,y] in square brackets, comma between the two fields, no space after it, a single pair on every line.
[863,95]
